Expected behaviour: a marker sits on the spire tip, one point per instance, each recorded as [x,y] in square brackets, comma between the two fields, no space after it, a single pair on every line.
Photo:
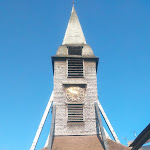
[73,9]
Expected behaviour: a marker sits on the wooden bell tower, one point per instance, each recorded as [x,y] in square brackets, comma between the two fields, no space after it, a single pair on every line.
[76,120]
[75,83]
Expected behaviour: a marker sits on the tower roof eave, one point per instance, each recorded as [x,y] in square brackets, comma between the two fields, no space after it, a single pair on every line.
[94,58]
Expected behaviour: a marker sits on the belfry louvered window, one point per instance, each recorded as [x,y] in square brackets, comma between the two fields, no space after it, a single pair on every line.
[75,68]
[75,112]
[75,50]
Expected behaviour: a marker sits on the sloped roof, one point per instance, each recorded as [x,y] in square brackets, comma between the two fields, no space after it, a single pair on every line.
[84,143]
[44,148]
[145,147]
[74,33]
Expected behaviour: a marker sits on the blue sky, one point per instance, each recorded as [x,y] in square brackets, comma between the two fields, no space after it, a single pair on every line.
[31,31]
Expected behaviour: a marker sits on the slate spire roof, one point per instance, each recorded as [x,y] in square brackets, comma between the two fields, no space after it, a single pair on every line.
[74,33]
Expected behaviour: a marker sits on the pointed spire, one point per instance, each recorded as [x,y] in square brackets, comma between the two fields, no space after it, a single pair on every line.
[74,33]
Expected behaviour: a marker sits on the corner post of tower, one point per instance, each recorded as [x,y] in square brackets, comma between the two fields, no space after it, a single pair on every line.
[51,137]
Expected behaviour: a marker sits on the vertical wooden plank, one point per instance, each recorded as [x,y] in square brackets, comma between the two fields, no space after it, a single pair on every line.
[50,143]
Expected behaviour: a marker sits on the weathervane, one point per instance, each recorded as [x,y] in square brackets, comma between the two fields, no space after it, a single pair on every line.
[73,2]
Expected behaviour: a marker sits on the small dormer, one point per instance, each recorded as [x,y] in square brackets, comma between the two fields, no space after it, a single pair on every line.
[75,51]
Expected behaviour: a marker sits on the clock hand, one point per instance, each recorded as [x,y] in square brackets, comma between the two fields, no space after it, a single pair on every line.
[72,91]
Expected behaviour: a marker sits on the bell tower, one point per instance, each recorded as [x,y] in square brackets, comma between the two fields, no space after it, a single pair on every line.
[76,120]
[75,83]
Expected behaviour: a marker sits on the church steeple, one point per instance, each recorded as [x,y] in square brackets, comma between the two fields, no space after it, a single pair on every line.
[76,120]
[74,34]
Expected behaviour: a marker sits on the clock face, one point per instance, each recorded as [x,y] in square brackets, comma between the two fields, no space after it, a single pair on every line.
[75,94]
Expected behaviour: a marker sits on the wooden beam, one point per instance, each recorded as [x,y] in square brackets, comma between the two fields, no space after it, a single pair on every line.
[101,126]
[51,137]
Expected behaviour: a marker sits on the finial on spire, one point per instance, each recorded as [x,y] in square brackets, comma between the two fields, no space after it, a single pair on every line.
[73,9]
